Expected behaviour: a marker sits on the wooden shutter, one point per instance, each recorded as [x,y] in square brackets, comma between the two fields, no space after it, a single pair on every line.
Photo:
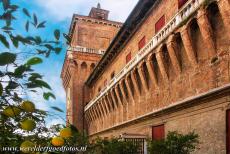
[228,131]
[158,132]
[181,3]
[160,23]
[141,43]
[128,57]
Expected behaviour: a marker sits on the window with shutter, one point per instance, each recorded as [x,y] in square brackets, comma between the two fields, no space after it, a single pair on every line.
[158,132]
[141,43]
[160,23]
[181,3]
[128,57]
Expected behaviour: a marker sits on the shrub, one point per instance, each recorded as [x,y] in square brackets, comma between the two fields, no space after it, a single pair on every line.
[113,146]
[175,143]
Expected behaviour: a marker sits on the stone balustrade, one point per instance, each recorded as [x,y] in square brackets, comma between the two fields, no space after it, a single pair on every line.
[85,50]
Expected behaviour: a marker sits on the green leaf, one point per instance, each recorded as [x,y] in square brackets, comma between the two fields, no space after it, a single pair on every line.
[27,26]
[35,20]
[6,28]
[41,25]
[4,41]
[38,40]
[47,95]
[26,12]
[57,50]
[34,61]
[48,46]
[41,84]
[57,34]
[18,72]
[7,58]
[14,41]
[34,76]
[57,109]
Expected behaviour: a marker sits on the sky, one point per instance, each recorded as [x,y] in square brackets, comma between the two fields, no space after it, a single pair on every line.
[58,14]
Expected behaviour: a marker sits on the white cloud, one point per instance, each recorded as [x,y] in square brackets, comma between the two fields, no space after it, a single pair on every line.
[61,10]
[55,122]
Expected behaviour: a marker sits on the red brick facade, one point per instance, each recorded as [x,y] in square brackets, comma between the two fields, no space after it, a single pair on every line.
[177,80]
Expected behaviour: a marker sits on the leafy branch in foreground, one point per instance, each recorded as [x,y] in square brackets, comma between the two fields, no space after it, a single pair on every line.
[21,123]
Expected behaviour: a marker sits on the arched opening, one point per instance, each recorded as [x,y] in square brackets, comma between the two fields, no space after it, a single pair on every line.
[197,42]
[119,93]
[92,66]
[146,74]
[131,84]
[219,31]
[167,62]
[83,65]
[115,96]
[155,67]
[138,80]
[125,89]
[181,53]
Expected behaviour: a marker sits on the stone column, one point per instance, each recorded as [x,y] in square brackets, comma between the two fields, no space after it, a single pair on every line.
[150,68]
[224,6]
[142,76]
[160,61]
[172,48]
[188,46]
[134,80]
[206,31]
[129,89]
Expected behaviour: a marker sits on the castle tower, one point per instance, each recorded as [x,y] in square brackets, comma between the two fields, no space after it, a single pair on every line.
[90,36]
